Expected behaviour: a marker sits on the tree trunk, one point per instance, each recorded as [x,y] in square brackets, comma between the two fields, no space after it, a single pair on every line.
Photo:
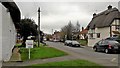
[24,40]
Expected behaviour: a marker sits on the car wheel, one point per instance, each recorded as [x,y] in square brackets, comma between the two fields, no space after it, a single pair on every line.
[106,51]
[96,50]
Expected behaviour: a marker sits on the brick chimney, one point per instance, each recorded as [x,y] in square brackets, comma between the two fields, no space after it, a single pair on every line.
[82,28]
[94,14]
[109,7]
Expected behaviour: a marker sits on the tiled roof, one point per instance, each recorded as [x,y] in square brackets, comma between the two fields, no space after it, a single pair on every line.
[85,31]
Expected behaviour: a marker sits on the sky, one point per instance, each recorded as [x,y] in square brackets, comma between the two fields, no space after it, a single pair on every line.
[55,15]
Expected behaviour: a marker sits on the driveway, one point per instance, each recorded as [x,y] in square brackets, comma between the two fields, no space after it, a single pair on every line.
[87,53]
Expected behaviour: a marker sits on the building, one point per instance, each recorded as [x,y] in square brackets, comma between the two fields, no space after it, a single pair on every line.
[9,21]
[56,36]
[84,33]
[103,25]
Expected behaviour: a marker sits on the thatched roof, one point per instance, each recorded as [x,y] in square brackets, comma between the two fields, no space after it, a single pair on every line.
[104,19]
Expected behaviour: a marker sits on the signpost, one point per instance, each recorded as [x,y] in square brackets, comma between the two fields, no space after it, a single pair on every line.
[29,44]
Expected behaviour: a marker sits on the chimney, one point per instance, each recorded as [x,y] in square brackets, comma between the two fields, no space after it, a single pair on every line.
[94,14]
[109,7]
[82,28]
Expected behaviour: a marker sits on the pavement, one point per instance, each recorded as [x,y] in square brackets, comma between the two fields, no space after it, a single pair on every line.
[39,61]
[15,55]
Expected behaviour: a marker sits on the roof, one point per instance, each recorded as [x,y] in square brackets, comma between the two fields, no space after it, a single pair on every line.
[104,19]
[14,11]
[85,31]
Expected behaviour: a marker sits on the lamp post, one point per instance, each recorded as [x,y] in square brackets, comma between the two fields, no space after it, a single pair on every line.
[38,26]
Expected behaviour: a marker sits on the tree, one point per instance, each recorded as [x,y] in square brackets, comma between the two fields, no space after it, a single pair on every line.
[77,26]
[77,29]
[27,28]
[67,30]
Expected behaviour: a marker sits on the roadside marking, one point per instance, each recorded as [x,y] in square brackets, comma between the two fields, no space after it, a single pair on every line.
[113,59]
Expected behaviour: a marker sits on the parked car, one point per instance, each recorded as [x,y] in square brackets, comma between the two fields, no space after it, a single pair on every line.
[67,42]
[55,40]
[107,46]
[116,38]
[74,43]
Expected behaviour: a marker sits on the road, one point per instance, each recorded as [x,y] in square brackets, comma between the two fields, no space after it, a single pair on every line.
[87,53]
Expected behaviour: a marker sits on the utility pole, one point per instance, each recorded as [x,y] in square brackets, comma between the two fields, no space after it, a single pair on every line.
[38,26]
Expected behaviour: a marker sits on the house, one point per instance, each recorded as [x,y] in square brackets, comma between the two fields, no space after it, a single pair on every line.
[75,35]
[9,21]
[56,36]
[83,33]
[103,25]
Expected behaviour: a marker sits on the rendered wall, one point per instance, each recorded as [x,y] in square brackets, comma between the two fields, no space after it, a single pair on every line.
[0,36]
[104,33]
[8,34]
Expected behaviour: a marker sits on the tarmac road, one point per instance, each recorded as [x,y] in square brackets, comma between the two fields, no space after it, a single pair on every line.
[87,53]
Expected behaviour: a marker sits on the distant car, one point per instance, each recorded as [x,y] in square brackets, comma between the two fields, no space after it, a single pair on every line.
[67,42]
[55,40]
[107,46]
[74,43]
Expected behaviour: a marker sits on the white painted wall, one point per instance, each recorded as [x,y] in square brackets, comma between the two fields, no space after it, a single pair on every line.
[104,33]
[115,22]
[8,34]
[0,36]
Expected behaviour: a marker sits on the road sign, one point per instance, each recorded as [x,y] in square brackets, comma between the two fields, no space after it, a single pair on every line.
[29,43]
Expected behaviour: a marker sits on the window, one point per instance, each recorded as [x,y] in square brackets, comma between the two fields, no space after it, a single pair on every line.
[100,42]
[104,42]
[93,30]
[98,35]
[91,35]
[117,27]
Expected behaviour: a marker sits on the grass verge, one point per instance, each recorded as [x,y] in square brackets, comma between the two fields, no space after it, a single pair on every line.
[75,63]
[82,42]
[41,53]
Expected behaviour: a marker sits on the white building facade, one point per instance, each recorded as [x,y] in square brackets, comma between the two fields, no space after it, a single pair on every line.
[104,25]
[7,33]
[102,33]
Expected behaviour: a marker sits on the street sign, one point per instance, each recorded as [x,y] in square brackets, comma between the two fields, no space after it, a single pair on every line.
[29,43]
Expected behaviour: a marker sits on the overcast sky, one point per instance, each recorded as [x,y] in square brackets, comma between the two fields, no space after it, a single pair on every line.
[55,15]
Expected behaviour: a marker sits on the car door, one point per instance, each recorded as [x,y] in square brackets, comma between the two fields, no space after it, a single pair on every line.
[103,45]
[99,44]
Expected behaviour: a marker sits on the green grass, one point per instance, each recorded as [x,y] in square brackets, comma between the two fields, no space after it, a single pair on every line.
[41,53]
[18,45]
[81,63]
[83,42]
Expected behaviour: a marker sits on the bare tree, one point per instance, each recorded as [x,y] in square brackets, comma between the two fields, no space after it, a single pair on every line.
[67,30]
[77,26]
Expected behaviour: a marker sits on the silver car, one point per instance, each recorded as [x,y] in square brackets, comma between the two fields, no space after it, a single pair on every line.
[75,43]
[67,42]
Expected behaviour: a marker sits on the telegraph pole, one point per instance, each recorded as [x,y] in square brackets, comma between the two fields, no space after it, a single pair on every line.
[38,26]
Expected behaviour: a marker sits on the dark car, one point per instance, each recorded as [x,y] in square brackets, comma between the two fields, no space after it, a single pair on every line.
[107,46]
[74,43]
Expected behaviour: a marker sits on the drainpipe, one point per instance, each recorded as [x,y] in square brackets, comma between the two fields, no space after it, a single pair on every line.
[110,31]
